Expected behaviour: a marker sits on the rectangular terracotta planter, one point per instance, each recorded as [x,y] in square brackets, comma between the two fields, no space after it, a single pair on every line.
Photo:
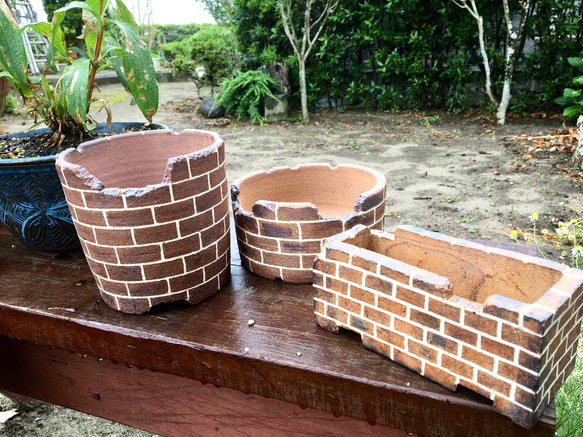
[503,324]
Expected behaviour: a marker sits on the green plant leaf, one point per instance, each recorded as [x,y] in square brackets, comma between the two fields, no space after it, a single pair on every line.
[91,18]
[571,111]
[46,87]
[116,63]
[56,48]
[570,93]
[94,6]
[57,45]
[90,41]
[123,14]
[86,6]
[75,88]
[111,50]
[562,101]
[576,62]
[12,54]
[139,70]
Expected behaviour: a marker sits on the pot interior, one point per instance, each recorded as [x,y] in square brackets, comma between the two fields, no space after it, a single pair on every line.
[474,273]
[332,190]
[137,159]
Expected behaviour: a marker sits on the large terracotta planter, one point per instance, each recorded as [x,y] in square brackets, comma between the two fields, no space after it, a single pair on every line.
[283,215]
[32,204]
[500,323]
[152,213]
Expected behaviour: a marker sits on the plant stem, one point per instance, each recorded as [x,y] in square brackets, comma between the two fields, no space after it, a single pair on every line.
[96,56]
[535,242]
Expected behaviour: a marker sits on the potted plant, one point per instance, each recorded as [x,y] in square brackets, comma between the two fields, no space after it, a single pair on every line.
[32,205]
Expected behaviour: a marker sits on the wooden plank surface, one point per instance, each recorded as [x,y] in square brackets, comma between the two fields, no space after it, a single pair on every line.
[284,356]
[165,404]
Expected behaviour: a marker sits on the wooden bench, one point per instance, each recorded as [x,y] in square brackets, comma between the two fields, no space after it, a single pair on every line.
[204,370]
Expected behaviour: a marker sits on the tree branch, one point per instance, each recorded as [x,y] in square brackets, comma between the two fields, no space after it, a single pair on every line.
[326,13]
[475,13]
[285,18]
[307,27]
[508,18]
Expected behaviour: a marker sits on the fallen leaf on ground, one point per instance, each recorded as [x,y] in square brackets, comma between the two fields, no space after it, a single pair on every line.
[7,415]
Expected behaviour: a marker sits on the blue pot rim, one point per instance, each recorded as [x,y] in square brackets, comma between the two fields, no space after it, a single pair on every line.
[50,159]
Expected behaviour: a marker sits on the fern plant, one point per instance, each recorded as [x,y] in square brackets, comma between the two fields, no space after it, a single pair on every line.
[245,94]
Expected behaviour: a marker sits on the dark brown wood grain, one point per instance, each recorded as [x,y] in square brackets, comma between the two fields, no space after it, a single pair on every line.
[165,404]
[283,357]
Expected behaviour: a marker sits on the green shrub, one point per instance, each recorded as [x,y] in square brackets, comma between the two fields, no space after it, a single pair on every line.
[175,32]
[245,94]
[569,400]
[12,106]
[572,98]
[211,47]
[415,54]
[177,49]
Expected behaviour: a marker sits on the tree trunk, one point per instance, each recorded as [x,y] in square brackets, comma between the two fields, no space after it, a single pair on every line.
[303,91]
[514,37]
[506,90]
[307,39]
[473,10]
[577,157]
[514,42]
[485,60]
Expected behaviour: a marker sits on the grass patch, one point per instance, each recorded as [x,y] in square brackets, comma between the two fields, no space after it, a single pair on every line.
[115,96]
[569,400]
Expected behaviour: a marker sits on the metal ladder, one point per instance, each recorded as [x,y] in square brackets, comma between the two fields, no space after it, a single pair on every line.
[36,46]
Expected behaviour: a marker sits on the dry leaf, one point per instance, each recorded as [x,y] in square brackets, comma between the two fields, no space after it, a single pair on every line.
[7,415]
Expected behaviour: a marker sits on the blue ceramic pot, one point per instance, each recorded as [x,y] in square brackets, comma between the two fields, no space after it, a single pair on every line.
[32,203]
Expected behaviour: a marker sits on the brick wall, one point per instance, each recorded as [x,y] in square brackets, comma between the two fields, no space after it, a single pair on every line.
[162,243]
[281,239]
[516,353]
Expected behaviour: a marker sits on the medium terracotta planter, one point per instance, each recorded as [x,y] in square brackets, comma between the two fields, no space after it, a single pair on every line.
[500,323]
[152,213]
[32,204]
[283,215]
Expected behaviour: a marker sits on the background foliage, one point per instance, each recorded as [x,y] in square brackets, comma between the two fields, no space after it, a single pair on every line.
[416,54]
[211,47]
[395,54]
[245,94]
[72,25]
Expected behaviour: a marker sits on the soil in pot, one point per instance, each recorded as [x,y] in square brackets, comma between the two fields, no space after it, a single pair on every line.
[36,143]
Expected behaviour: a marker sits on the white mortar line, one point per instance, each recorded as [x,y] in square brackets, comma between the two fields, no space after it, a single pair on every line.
[412,275]
[561,292]
[124,197]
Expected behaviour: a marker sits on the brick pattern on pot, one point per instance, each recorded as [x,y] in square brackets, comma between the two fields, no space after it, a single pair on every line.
[515,353]
[157,244]
[280,240]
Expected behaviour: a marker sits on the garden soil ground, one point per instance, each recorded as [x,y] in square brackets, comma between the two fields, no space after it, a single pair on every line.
[461,175]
